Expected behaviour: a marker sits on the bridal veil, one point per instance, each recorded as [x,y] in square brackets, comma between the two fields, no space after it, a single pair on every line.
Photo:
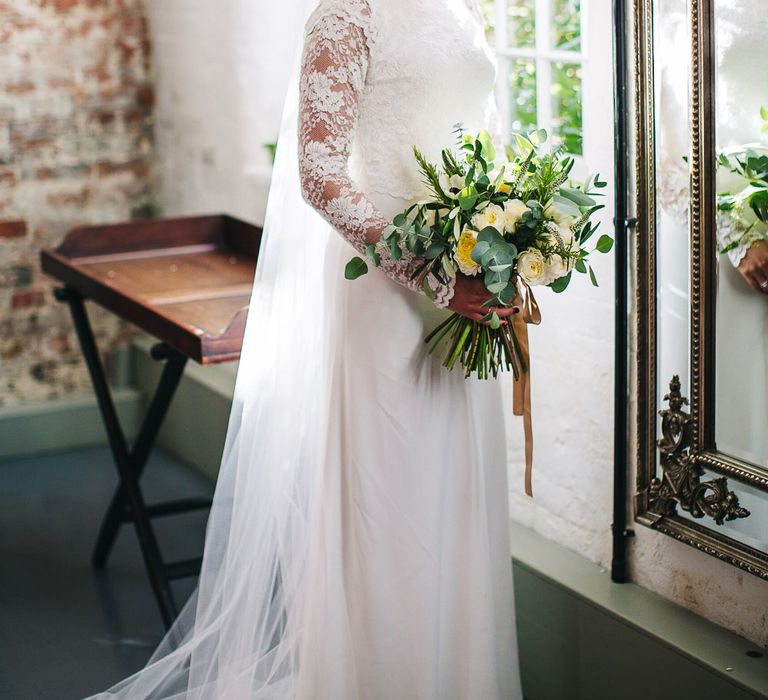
[239,634]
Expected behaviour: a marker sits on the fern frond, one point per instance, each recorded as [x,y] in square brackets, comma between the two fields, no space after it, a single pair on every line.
[431,175]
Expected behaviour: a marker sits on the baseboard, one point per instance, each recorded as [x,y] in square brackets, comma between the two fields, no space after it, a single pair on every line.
[583,637]
[63,424]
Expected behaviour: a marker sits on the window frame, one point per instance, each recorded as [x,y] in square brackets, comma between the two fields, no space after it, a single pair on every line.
[543,56]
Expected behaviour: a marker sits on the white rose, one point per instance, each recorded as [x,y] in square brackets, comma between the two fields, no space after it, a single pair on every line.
[558,212]
[492,215]
[454,182]
[561,233]
[556,269]
[566,233]
[532,267]
[513,212]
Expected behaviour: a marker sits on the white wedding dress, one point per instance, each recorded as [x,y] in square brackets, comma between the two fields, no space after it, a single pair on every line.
[383,481]
[424,593]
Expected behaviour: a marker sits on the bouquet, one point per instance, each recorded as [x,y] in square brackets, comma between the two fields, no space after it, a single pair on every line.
[518,223]
[743,206]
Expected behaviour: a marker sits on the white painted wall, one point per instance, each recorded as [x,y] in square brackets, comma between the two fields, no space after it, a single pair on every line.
[572,365]
[221,71]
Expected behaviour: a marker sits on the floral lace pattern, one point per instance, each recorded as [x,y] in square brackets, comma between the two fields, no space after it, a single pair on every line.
[735,235]
[338,39]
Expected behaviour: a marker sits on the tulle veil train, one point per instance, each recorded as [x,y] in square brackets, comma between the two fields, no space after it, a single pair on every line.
[239,634]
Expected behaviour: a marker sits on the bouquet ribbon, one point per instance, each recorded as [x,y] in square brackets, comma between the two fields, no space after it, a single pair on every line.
[521,396]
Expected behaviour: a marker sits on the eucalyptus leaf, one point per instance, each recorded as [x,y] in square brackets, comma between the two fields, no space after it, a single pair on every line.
[604,243]
[509,292]
[489,151]
[577,196]
[496,287]
[373,254]
[468,197]
[434,249]
[561,283]
[355,268]
[480,249]
[567,206]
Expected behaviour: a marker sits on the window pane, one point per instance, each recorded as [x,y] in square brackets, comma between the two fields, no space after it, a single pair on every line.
[522,87]
[566,106]
[489,12]
[521,23]
[566,25]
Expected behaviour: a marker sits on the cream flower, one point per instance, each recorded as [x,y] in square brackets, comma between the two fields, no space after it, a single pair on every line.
[532,267]
[561,233]
[463,255]
[557,268]
[557,212]
[492,215]
[513,212]
[566,234]
[454,182]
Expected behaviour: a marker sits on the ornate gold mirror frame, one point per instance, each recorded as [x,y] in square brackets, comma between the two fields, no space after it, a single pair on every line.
[686,445]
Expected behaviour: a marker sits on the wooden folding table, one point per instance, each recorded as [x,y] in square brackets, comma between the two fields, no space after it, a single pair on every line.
[187,282]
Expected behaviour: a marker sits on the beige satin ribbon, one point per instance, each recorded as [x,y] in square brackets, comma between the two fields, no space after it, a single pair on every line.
[521,396]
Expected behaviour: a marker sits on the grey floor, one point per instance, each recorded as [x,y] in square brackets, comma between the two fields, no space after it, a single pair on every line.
[67,631]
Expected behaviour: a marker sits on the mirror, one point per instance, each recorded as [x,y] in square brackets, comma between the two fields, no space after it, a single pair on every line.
[741,141]
[702,319]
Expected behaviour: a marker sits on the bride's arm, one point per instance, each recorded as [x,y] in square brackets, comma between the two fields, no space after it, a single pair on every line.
[334,65]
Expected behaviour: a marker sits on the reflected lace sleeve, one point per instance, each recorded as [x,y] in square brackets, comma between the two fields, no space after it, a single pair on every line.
[334,66]
[735,238]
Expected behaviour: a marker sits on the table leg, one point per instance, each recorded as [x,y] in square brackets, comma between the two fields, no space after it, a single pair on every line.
[129,463]
[142,447]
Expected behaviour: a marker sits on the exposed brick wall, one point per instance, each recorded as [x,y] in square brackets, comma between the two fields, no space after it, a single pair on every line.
[76,104]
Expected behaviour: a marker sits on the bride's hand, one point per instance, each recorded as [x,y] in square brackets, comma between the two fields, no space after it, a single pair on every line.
[468,296]
[754,267]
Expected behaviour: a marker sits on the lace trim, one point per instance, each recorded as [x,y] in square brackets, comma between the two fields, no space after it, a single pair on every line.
[731,229]
[338,40]
[442,293]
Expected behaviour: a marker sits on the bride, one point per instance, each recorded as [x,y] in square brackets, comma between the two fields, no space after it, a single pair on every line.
[358,544]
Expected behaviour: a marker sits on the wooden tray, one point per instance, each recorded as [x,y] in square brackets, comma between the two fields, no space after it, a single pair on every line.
[186,281]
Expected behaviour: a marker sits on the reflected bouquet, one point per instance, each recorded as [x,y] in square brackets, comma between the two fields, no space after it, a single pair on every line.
[743,205]
[518,223]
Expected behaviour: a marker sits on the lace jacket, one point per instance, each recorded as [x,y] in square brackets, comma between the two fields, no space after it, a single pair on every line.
[338,37]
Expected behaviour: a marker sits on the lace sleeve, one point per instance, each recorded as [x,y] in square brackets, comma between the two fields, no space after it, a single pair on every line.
[334,67]
[735,237]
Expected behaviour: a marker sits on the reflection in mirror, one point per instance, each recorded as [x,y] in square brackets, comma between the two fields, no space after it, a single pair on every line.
[741,89]
[673,138]
[753,530]
[703,473]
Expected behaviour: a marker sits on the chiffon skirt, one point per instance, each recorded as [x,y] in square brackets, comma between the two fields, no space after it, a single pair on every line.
[411,592]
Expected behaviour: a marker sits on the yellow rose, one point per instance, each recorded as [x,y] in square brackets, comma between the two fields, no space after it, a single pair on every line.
[463,255]
[504,188]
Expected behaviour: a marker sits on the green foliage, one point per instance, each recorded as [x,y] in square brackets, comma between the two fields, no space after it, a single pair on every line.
[482,215]
[355,268]
[747,207]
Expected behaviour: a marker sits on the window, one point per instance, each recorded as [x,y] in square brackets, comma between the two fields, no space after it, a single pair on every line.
[538,44]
